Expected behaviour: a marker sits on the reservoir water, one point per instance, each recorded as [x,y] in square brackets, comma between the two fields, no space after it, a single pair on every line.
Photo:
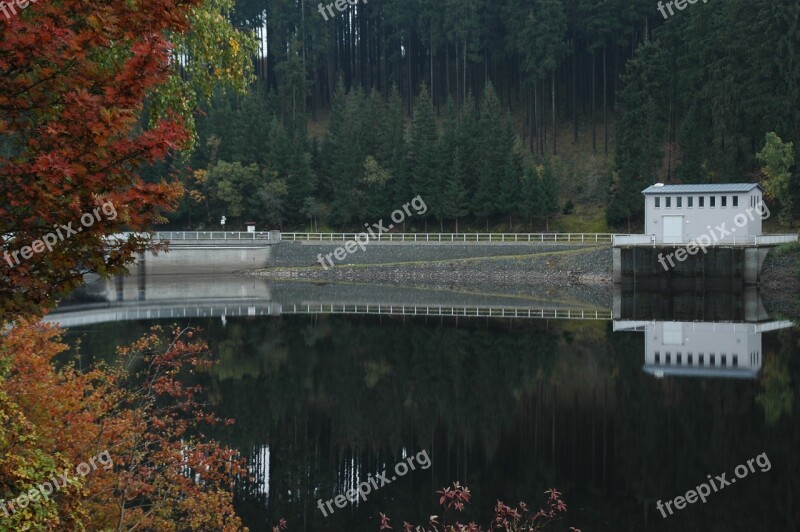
[618,400]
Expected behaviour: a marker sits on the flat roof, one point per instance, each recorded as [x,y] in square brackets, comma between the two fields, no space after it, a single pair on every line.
[697,189]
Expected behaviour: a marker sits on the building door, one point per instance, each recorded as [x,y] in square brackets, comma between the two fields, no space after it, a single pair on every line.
[673,229]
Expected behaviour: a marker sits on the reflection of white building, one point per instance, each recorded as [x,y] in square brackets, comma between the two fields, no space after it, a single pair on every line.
[701,349]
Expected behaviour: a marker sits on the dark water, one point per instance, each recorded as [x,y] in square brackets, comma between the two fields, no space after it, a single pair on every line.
[509,407]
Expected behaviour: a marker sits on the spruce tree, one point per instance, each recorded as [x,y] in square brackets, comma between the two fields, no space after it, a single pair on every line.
[454,199]
[425,176]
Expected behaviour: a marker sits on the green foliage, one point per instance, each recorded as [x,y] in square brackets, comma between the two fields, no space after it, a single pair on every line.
[640,132]
[778,158]
[423,156]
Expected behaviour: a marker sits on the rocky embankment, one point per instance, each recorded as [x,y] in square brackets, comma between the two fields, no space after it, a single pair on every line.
[780,282]
[590,265]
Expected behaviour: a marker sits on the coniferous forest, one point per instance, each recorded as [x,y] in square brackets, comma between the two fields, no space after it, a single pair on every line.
[502,115]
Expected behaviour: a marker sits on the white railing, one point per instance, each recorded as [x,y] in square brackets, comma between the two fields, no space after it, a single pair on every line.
[508,238]
[210,235]
[776,239]
[633,240]
[740,240]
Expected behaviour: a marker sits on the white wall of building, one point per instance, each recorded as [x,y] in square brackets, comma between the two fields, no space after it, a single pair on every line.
[697,220]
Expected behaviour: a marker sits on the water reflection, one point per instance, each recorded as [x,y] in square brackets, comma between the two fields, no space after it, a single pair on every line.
[697,348]
[508,406]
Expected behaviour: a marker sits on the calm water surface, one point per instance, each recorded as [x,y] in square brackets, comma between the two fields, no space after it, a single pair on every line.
[328,388]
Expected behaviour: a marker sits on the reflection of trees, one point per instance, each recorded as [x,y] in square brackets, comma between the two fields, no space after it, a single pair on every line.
[346,394]
[508,409]
[777,395]
[673,432]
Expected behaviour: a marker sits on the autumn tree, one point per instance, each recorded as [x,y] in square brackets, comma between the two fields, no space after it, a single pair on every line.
[166,474]
[75,132]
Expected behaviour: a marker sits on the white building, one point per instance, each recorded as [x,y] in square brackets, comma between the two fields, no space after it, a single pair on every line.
[678,214]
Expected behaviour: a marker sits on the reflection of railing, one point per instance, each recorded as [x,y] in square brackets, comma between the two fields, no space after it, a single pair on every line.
[510,238]
[448,310]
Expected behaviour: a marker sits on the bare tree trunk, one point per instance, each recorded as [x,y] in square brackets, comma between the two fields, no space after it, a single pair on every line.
[464,70]
[433,99]
[555,121]
[605,98]
[594,132]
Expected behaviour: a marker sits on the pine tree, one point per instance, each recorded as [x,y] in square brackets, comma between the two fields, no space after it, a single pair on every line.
[508,191]
[454,203]
[394,149]
[548,193]
[484,200]
[426,178]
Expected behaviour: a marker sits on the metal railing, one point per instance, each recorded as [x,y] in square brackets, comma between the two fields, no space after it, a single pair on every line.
[633,240]
[561,238]
[741,240]
[210,235]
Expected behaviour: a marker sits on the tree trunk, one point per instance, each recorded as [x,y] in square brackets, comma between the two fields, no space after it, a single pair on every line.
[605,98]
[594,131]
[543,115]
[532,102]
[555,120]
[433,98]
[464,69]
[410,77]
[574,87]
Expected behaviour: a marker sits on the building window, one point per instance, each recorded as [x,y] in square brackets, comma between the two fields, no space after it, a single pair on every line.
[724,359]
[690,202]
[735,361]
[669,359]
[701,359]
[658,202]
[689,359]
[658,358]
[724,201]
[712,201]
[701,201]
[680,359]
[669,202]
[735,201]
[679,202]
[711,360]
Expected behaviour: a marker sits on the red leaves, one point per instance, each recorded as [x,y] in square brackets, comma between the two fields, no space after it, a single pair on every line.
[454,497]
[505,517]
[74,76]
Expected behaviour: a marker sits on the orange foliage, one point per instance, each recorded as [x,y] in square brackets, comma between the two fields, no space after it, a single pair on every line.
[73,78]
[166,475]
